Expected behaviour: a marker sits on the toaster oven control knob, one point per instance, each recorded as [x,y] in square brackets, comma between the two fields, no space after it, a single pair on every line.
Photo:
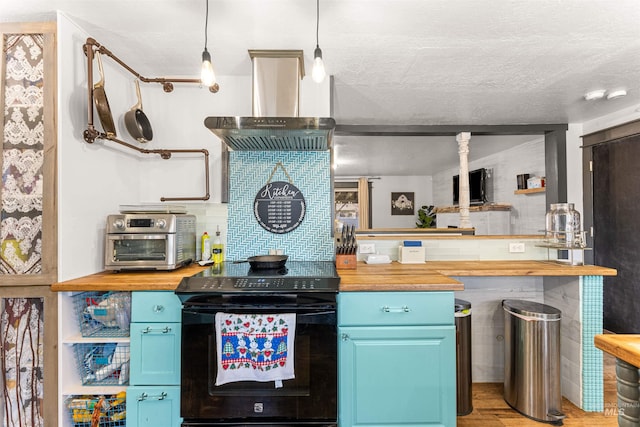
[119,223]
[161,223]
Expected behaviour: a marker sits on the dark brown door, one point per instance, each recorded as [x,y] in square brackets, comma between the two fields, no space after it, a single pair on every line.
[616,219]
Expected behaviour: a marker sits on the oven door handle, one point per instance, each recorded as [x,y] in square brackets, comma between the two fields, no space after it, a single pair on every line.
[317,313]
[138,236]
[300,311]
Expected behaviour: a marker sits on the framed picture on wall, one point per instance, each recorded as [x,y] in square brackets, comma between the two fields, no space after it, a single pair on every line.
[402,203]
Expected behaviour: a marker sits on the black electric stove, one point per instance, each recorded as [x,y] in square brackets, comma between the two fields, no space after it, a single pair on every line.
[306,289]
[231,277]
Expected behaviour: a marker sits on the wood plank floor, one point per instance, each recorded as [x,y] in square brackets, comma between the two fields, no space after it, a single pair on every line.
[490,409]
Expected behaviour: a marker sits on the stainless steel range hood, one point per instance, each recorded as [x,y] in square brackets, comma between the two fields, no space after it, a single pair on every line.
[275,124]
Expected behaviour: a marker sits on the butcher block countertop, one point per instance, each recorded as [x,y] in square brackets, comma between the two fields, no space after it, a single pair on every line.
[129,280]
[514,268]
[430,276]
[623,346]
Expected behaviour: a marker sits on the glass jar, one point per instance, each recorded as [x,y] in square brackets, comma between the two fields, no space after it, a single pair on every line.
[566,225]
[578,240]
[563,223]
[550,233]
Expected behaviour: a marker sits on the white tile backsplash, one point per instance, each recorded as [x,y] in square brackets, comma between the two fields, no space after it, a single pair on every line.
[209,216]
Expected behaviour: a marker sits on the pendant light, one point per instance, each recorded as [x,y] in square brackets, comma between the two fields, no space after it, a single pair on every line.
[207,76]
[318,73]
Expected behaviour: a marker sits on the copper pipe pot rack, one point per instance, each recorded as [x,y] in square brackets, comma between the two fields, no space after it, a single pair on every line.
[91,133]
[167,83]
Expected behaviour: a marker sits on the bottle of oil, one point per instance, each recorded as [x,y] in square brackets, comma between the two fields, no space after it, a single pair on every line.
[205,247]
[217,249]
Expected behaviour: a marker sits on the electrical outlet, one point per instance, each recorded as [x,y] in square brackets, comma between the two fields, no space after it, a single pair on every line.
[516,247]
[367,248]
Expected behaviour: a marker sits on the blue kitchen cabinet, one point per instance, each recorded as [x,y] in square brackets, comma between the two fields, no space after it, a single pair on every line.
[396,357]
[153,398]
[153,406]
[155,353]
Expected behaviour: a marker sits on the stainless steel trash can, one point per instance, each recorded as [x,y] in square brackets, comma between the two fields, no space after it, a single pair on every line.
[532,360]
[464,405]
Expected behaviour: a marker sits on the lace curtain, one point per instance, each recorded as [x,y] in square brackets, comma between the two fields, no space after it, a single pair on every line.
[22,155]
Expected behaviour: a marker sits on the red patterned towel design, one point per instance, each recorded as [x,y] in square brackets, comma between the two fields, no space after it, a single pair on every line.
[255,347]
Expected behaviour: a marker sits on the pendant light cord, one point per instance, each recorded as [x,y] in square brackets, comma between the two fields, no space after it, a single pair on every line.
[206,23]
[317,21]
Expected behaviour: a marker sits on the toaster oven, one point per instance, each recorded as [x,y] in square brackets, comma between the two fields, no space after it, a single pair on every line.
[149,241]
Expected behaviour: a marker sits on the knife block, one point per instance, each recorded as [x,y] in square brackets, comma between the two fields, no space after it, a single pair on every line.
[346,262]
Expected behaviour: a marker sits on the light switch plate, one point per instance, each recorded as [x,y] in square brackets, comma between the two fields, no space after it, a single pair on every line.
[367,248]
[516,247]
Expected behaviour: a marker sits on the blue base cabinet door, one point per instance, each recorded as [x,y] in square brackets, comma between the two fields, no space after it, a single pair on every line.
[394,376]
[153,397]
[396,359]
[155,350]
[150,406]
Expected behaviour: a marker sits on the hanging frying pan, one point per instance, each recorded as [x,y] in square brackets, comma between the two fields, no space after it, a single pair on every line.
[102,103]
[136,120]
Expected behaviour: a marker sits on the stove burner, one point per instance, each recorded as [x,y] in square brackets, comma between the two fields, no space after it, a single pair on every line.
[282,271]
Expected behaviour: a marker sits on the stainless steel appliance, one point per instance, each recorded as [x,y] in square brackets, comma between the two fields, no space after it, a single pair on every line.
[532,377]
[306,289]
[275,124]
[149,241]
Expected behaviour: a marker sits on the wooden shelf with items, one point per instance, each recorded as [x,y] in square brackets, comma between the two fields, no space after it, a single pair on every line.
[530,190]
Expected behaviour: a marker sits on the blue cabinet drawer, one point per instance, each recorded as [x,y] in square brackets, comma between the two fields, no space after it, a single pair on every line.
[155,353]
[153,406]
[395,308]
[155,306]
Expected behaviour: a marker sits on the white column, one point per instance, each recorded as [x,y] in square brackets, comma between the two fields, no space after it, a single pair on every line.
[463,151]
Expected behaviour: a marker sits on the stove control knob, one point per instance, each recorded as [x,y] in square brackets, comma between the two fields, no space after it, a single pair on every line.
[119,223]
[161,223]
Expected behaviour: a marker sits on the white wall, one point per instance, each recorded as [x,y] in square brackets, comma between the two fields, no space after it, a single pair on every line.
[92,180]
[574,166]
[528,211]
[381,199]
[95,179]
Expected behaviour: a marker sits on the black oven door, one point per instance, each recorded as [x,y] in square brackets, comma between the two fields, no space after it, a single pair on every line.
[310,398]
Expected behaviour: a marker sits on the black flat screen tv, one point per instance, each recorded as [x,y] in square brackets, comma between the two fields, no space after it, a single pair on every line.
[477,187]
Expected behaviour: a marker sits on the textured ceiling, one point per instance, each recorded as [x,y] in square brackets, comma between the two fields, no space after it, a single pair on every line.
[428,62]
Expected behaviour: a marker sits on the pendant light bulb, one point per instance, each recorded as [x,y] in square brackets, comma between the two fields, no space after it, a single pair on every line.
[207,76]
[318,73]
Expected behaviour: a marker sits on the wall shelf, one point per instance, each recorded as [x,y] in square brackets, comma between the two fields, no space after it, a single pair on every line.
[530,191]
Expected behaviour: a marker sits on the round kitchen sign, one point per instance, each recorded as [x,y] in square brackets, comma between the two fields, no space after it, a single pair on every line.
[279,207]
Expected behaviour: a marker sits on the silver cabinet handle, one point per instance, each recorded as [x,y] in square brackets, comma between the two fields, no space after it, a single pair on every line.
[158,308]
[145,396]
[403,309]
[345,337]
[148,329]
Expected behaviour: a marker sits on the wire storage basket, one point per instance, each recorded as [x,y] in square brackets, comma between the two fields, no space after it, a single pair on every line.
[103,314]
[102,411]
[103,363]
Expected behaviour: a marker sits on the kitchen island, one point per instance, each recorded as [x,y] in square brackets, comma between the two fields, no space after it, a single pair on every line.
[626,349]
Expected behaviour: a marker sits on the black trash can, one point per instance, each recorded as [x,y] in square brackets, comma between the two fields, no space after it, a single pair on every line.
[463,357]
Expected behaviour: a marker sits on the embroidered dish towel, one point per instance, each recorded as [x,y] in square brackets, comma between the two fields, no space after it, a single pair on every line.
[255,347]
